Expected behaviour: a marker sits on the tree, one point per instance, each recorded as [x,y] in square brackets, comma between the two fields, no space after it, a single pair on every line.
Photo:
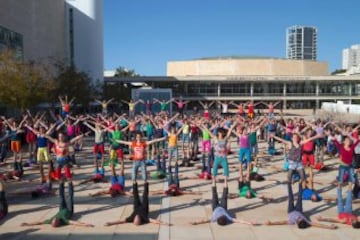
[123,72]
[73,83]
[338,71]
[23,84]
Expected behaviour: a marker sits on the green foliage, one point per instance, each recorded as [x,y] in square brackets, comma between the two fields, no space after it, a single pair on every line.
[123,72]
[338,71]
[23,84]
[74,83]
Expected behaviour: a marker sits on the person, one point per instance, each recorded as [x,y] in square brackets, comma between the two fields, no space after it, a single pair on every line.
[41,190]
[138,148]
[246,191]
[3,201]
[65,105]
[220,213]
[271,107]
[220,149]
[174,186]
[172,144]
[206,108]
[99,143]
[43,155]
[163,104]
[99,176]
[15,139]
[66,210]
[345,214]
[240,108]
[132,106]
[117,187]
[62,154]
[295,155]
[140,214]
[295,213]
[244,151]
[180,105]
[104,105]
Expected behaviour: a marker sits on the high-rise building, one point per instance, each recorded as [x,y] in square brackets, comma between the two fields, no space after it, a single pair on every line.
[66,30]
[301,43]
[351,57]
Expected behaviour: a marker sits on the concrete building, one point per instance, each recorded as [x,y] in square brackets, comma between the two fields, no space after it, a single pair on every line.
[351,59]
[246,66]
[41,25]
[66,30]
[301,42]
[306,85]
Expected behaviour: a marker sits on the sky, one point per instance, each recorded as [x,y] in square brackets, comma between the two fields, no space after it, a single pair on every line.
[145,34]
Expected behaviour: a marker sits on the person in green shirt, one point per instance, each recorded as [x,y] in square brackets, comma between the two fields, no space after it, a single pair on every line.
[66,210]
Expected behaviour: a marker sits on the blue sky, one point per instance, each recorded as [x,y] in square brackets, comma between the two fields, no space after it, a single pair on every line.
[144,34]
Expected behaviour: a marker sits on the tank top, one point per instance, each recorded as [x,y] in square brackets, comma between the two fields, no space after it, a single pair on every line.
[66,108]
[186,129]
[251,108]
[70,130]
[61,150]
[131,106]
[220,148]
[132,126]
[116,135]
[205,135]
[99,136]
[308,147]
[241,109]
[138,150]
[295,154]
[244,141]
[172,140]
[271,108]
[41,141]
[163,106]
[180,105]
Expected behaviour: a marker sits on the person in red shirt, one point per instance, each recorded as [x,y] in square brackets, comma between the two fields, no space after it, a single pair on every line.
[138,153]
[345,214]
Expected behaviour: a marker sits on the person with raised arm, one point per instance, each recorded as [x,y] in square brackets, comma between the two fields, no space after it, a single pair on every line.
[163,104]
[206,108]
[131,104]
[43,155]
[65,105]
[138,148]
[180,105]
[104,105]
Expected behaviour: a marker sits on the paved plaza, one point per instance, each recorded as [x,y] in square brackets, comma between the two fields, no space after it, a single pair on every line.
[179,211]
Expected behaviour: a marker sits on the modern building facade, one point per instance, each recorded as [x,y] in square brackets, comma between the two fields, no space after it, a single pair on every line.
[351,59]
[65,30]
[301,43]
[225,80]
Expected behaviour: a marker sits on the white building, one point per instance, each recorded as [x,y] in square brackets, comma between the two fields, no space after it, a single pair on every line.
[84,34]
[65,30]
[351,59]
[301,43]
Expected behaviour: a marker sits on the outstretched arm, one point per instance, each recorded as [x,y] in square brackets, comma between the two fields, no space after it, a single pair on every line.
[114,223]
[271,223]
[155,221]
[320,225]
[24,224]
[78,223]
[200,222]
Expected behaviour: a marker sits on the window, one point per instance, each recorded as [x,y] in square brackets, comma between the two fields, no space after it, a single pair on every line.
[13,41]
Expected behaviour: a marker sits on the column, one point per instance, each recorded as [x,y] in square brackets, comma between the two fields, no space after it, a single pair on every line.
[284,96]
[350,91]
[317,95]
[219,90]
[251,89]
